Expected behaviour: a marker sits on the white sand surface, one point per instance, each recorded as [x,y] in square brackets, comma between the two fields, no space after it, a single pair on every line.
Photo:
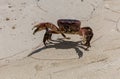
[61,59]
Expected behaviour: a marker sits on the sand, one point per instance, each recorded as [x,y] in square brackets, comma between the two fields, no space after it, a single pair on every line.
[63,59]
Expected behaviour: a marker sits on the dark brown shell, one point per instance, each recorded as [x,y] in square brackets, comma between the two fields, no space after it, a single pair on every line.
[69,25]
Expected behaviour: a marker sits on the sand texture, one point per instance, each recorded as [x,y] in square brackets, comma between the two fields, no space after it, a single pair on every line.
[63,59]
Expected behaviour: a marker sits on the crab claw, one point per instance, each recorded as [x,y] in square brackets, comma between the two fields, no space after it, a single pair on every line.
[36,30]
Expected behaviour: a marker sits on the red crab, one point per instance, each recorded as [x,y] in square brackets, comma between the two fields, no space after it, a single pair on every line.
[65,26]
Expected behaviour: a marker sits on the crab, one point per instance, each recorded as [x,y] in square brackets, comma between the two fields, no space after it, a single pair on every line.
[66,26]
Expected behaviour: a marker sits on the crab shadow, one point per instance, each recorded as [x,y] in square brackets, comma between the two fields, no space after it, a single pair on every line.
[62,44]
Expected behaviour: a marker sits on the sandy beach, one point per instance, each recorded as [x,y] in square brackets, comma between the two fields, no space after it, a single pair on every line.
[63,59]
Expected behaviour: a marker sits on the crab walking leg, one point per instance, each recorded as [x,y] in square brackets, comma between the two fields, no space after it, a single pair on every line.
[64,36]
[88,39]
[47,36]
